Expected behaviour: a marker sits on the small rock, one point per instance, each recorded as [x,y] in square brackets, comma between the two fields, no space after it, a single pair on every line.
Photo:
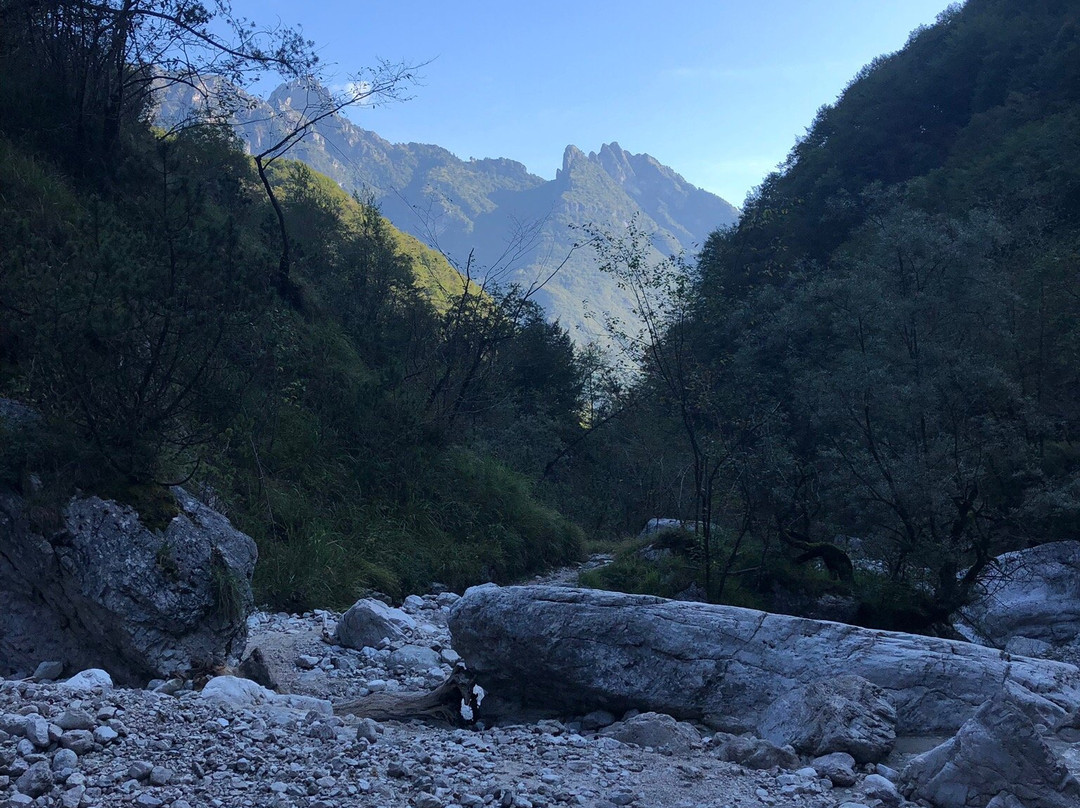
[79,741]
[13,724]
[426,800]
[368,729]
[887,772]
[370,621]
[877,787]
[52,669]
[256,669]
[661,732]
[87,680]
[307,662]
[170,687]
[36,780]
[105,735]
[139,770]
[75,719]
[838,767]
[64,759]
[37,731]
[414,658]
[754,753]
[597,719]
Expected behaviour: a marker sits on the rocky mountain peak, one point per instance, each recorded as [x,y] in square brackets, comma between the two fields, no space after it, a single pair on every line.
[572,156]
[614,161]
[480,205]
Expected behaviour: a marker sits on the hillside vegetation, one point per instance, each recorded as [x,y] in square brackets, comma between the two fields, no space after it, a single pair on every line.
[516,226]
[339,411]
[875,371]
[857,396]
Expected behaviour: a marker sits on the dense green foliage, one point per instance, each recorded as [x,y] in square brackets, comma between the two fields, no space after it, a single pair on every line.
[879,362]
[865,389]
[346,421]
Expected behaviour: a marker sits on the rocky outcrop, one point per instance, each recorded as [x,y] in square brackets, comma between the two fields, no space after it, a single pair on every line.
[996,755]
[94,587]
[574,650]
[840,714]
[1029,600]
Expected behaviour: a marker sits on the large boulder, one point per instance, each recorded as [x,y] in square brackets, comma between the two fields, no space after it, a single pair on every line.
[368,622]
[575,650]
[839,714]
[1028,599]
[97,588]
[997,755]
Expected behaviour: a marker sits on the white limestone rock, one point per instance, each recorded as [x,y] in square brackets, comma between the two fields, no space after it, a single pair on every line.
[369,621]
[87,680]
[575,650]
[103,590]
[1029,599]
[243,694]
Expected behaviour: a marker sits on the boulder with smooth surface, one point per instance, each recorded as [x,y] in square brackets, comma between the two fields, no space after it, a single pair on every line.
[368,622]
[244,694]
[1029,600]
[575,650]
[661,732]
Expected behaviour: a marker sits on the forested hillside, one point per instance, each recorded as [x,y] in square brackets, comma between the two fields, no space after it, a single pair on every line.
[492,214]
[859,394]
[326,381]
[878,365]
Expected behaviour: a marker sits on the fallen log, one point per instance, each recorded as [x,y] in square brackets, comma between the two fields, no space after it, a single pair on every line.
[452,703]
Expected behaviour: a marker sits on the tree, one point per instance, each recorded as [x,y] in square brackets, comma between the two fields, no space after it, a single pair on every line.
[99,61]
[662,346]
[131,309]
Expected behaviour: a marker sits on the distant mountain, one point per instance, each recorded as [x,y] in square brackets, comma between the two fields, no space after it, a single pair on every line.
[514,224]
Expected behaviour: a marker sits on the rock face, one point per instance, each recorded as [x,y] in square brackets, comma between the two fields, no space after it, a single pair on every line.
[575,650]
[841,714]
[1029,597]
[996,755]
[102,590]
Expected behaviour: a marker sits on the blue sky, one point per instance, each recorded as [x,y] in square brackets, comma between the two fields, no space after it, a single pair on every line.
[718,90]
